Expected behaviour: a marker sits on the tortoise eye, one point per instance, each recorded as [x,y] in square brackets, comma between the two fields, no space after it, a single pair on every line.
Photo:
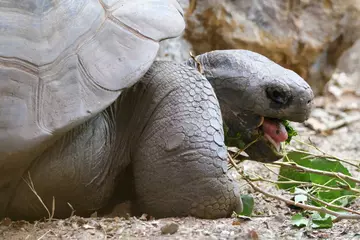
[277,95]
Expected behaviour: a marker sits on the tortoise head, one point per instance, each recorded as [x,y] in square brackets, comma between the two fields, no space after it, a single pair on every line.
[255,94]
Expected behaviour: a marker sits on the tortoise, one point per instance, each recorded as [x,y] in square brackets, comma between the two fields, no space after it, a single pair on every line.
[88,117]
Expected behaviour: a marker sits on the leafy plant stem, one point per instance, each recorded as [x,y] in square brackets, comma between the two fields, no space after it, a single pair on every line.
[302,184]
[241,150]
[326,155]
[325,173]
[339,216]
[332,205]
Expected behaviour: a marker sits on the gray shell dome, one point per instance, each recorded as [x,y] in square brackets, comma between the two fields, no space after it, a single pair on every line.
[63,61]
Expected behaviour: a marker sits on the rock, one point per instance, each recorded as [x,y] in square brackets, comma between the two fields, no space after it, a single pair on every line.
[225,234]
[303,35]
[6,222]
[347,73]
[252,234]
[170,228]
[342,92]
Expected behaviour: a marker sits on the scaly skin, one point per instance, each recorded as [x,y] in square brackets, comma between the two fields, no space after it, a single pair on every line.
[167,129]
[250,86]
[180,159]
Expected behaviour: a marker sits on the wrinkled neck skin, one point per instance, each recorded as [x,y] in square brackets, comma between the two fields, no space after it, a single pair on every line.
[231,94]
[226,92]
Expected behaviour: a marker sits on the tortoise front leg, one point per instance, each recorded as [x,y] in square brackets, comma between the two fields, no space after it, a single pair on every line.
[180,160]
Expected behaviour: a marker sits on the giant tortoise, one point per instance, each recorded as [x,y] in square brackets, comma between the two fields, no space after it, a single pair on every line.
[87,116]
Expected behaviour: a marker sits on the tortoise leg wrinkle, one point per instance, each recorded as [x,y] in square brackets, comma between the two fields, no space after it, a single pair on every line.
[179,158]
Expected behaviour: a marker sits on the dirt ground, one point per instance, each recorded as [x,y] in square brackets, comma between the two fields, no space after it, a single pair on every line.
[272,220]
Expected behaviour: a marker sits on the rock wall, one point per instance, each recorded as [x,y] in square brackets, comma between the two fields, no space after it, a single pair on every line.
[304,35]
[345,81]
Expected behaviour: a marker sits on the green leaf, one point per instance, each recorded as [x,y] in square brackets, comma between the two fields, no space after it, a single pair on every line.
[316,220]
[317,215]
[299,220]
[248,205]
[330,166]
[290,131]
[319,163]
[319,221]
[290,173]
[233,141]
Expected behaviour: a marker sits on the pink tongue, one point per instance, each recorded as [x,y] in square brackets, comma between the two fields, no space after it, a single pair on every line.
[275,129]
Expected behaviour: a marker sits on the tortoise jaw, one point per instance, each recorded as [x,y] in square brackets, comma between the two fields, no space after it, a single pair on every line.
[274,132]
[272,143]
[266,137]
[259,146]
[265,148]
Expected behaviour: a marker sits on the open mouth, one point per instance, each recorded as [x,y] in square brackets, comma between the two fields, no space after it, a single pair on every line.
[274,132]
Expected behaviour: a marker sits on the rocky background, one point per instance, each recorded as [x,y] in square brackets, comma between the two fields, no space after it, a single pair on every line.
[320,40]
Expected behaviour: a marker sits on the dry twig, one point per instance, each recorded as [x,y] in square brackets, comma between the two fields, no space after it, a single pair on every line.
[339,216]
[30,183]
[332,205]
[44,235]
[72,209]
[338,175]
[334,125]
[191,8]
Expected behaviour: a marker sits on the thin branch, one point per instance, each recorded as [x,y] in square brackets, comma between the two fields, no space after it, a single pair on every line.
[72,209]
[341,197]
[302,184]
[307,184]
[332,205]
[233,163]
[339,216]
[336,124]
[52,209]
[345,121]
[191,8]
[248,145]
[324,154]
[328,157]
[44,235]
[32,188]
[293,165]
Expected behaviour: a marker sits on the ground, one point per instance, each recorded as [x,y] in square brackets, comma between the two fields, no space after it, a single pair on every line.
[272,220]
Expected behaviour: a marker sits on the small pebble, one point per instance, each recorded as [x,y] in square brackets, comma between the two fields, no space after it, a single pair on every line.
[169,228]
[6,222]
[225,233]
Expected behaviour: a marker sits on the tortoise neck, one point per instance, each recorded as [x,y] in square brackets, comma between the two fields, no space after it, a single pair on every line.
[203,66]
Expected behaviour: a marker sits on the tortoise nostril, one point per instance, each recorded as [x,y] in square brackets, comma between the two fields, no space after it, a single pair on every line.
[277,95]
[310,99]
